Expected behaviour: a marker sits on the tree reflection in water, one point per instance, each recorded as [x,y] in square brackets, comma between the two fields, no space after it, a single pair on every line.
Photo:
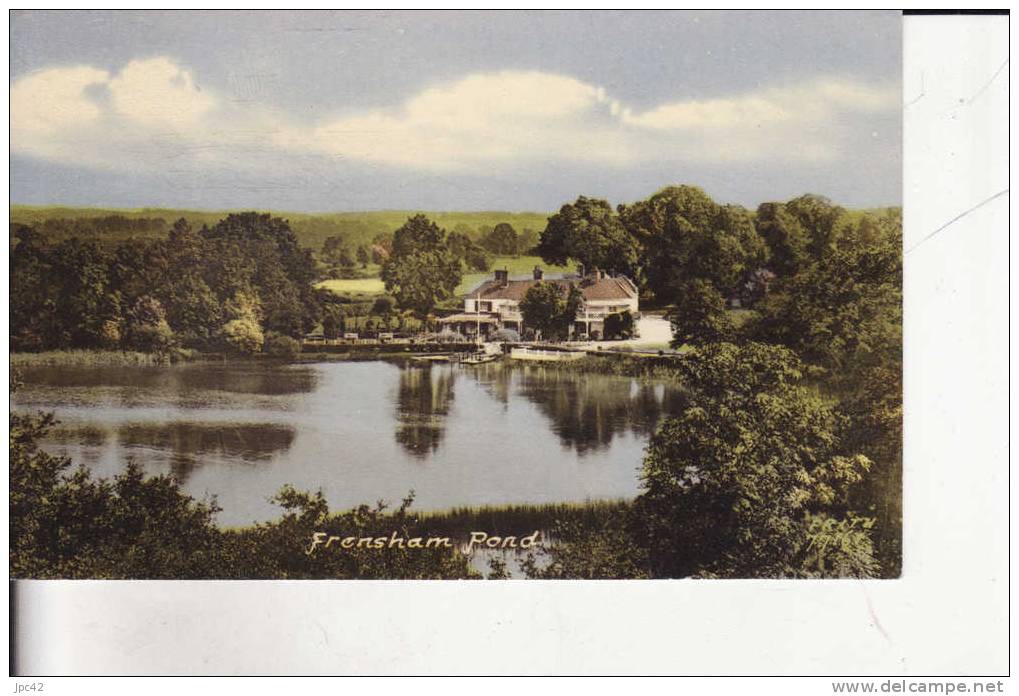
[189,444]
[585,411]
[424,398]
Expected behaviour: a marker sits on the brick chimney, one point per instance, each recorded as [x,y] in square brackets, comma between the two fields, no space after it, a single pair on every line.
[538,273]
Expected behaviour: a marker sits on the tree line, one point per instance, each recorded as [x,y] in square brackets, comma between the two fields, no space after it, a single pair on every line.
[475,248]
[233,286]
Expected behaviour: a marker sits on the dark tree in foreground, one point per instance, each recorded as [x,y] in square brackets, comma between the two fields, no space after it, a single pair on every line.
[751,479]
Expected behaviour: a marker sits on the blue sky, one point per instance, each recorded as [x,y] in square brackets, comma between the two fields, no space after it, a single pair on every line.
[451,110]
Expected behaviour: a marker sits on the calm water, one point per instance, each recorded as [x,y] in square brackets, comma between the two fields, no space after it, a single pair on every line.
[360,431]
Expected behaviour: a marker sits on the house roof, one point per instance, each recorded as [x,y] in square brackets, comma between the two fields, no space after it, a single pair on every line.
[618,288]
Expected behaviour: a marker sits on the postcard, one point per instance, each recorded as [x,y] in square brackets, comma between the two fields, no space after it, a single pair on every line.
[455,295]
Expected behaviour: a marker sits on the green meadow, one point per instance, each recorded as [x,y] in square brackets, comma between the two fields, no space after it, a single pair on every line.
[311,229]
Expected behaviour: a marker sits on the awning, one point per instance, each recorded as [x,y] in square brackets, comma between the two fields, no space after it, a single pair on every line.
[465,318]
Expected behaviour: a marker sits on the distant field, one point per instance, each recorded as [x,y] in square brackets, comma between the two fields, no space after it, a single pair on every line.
[353,286]
[516,265]
[311,228]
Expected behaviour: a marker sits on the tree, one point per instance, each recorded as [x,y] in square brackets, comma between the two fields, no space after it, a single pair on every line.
[873,426]
[346,259]
[502,240]
[363,257]
[80,271]
[243,332]
[751,479]
[147,329]
[243,336]
[333,248]
[382,306]
[473,255]
[820,219]
[590,232]
[527,240]
[699,316]
[845,309]
[421,271]
[333,322]
[619,325]
[685,235]
[785,236]
[281,346]
[259,255]
[550,309]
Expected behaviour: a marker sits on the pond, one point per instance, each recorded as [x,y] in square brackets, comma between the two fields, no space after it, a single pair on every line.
[360,431]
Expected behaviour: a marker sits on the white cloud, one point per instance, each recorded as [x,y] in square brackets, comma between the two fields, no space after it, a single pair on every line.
[158,92]
[820,100]
[51,100]
[153,113]
[482,118]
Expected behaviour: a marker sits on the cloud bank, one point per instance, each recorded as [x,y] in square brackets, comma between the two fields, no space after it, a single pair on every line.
[154,114]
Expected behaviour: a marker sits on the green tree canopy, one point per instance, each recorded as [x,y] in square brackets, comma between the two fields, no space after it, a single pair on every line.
[502,240]
[699,315]
[751,479]
[685,235]
[590,232]
[845,309]
[421,271]
[549,308]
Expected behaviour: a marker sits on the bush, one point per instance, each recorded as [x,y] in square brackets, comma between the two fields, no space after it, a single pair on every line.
[382,306]
[281,346]
[619,325]
[243,336]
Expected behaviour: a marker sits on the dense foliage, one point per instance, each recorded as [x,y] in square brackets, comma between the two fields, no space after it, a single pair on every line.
[590,232]
[550,309]
[421,270]
[220,287]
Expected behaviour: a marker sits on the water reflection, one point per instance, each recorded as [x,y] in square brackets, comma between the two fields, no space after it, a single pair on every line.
[360,431]
[189,444]
[183,445]
[424,398]
[585,411]
[190,385]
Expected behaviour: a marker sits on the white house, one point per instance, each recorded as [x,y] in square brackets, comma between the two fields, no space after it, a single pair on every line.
[495,304]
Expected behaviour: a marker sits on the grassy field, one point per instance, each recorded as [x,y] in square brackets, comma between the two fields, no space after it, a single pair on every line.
[516,265]
[354,286]
[311,228]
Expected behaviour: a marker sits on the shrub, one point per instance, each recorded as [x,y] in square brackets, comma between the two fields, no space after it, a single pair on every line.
[281,346]
[243,336]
